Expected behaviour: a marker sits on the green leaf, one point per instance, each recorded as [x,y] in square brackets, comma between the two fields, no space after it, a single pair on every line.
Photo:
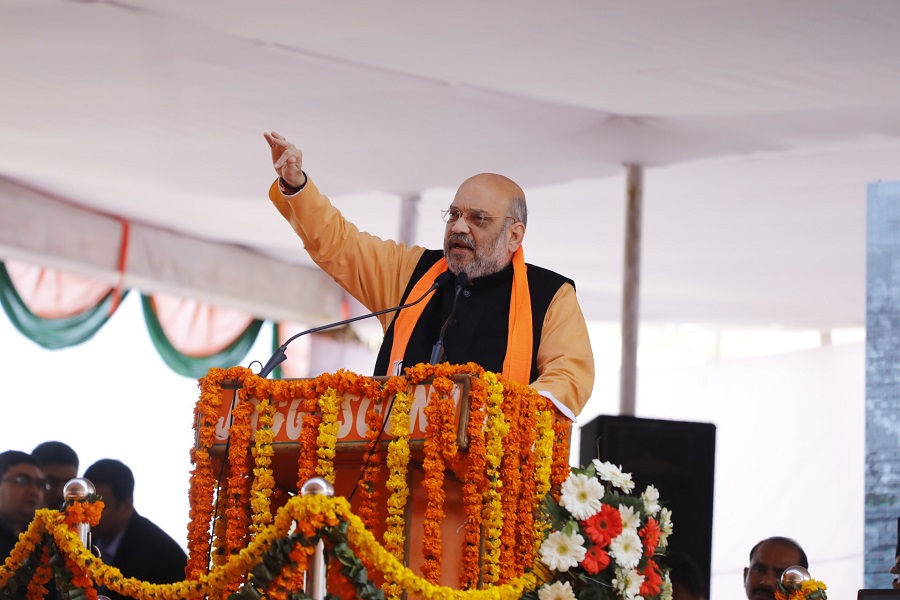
[247,592]
[570,528]
[262,572]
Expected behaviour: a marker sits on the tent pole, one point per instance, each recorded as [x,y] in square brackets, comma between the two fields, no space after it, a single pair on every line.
[631,289]
[409,218]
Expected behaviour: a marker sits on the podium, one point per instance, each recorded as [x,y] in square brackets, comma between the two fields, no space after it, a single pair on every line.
[351,443]
[446,465]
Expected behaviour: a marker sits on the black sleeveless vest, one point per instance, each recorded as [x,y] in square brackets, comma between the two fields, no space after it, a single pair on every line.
[479,330]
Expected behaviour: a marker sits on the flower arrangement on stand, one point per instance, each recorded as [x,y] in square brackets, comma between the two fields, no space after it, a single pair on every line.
[603,541]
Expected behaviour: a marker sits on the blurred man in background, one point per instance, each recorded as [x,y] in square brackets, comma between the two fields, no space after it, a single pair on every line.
[22,489]
[126,540]
[768,560]
[59,464]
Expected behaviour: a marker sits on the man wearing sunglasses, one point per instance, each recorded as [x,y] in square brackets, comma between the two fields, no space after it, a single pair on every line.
[511,317]
[22,489]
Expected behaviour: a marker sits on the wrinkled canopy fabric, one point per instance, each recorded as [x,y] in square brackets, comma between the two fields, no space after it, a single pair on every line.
[58,310]
[758,123]
[69,326]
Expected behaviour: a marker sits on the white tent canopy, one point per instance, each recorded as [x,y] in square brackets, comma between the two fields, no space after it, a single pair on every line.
[760,123]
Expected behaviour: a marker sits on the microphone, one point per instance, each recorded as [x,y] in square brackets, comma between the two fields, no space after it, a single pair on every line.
[437,352]
[279,356]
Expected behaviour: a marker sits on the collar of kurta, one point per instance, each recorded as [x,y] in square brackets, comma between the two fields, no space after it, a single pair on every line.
[519,341]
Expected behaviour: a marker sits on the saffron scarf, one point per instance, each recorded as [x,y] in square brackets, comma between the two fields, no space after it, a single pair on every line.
[519,340]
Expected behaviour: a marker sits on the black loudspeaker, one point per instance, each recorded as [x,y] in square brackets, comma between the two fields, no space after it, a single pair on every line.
[676,457]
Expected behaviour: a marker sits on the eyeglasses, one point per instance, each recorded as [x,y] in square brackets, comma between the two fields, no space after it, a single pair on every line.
[474,219]
[27,481]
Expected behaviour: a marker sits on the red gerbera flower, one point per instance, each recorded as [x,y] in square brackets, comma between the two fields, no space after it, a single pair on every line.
[603,526]
[650,535]
[652,579]
[595,560]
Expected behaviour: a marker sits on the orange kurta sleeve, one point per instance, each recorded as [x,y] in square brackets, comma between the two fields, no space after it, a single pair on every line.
[565,360]
[374,271]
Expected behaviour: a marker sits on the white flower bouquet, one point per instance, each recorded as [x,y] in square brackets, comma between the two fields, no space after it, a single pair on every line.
[603,541]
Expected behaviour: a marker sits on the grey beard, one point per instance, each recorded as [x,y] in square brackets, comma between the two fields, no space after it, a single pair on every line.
[481,265]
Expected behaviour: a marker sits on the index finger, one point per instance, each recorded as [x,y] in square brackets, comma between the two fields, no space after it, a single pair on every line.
[274,139]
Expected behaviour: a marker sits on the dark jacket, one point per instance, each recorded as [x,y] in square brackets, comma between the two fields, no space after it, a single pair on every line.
[149,554]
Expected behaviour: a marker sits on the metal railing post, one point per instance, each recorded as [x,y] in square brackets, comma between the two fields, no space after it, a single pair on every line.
[315,574]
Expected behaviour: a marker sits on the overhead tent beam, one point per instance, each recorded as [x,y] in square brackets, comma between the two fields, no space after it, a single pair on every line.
[631,288]
[44,230]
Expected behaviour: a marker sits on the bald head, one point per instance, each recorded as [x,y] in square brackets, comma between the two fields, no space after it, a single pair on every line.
[502,192]
[485,225]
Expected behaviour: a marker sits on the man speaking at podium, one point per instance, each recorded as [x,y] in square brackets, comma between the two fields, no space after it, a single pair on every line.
[519,320]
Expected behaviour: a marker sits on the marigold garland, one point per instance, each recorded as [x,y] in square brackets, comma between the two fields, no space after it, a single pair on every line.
[368,489]
[29,541]
[527,506]
[292,577]
[486,469]
[24,548]
[79,579]
[442,387]
[309,514]
[805,590]
[474,485]
[543,454]
[220,529]
[510,475]
[433,465]
[37,587]
[238,489]
[337,583]
[307,459]
[87,512]
[203,481]
[496,429]
[559,470]
[397,464]
[263,480]
[390,566]
[326,441]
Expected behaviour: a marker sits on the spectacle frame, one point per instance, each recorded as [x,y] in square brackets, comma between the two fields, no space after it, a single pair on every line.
[22,480]
[473,218]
